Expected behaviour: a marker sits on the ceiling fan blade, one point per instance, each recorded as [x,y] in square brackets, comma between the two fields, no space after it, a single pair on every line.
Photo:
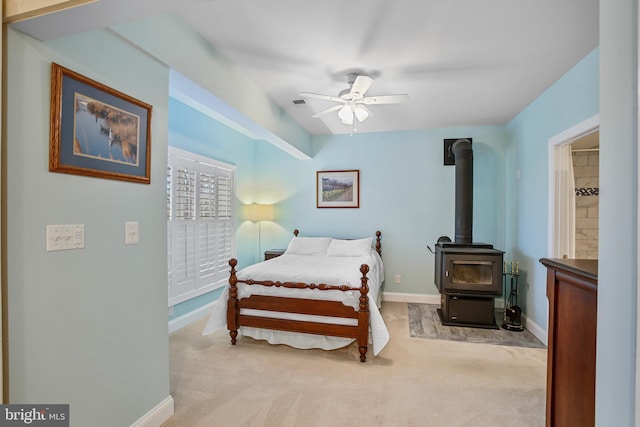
[328,110]
[361,85]
[319,96]
[385,99]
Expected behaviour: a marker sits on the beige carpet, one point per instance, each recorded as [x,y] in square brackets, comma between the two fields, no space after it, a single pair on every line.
[412,382]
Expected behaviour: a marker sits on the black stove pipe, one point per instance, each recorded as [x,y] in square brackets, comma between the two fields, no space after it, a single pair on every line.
[463,155]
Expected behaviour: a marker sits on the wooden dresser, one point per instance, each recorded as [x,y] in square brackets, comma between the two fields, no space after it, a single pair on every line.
[572,289]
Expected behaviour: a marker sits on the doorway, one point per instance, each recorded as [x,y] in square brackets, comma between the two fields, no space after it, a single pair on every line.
[585,153]
[573,203]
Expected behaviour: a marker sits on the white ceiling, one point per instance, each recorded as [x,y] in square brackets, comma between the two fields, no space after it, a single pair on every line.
[462,62]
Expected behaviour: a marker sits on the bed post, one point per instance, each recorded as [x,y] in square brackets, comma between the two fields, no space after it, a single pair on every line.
[363,314]
[378,244]
[232,307]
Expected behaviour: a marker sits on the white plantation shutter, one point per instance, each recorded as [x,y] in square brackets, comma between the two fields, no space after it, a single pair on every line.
[225,214]
[182,223]
[206,223]
[169,231]
[200,217]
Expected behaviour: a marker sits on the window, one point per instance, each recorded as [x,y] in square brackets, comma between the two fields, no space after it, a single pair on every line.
[200,224]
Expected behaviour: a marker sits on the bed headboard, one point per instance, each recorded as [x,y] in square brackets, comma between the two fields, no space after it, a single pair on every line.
[378,245]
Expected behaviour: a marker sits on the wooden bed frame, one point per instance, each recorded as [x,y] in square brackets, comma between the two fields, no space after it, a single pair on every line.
[302,306]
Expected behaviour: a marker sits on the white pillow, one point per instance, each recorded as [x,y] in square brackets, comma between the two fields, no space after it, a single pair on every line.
[358,247]
[309,246]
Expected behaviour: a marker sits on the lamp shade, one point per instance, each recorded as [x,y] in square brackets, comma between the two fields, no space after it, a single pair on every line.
[361,113]
[346,115]
[257,212]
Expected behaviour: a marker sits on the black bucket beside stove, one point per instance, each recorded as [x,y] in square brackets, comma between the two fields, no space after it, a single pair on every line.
[468,275]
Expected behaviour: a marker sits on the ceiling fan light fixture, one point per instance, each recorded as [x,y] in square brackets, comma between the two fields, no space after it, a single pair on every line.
[346,114]
[352,102]
[361,113]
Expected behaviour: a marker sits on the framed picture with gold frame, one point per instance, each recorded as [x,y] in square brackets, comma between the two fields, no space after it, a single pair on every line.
[97,131]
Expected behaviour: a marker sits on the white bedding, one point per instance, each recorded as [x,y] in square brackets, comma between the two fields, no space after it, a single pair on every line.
[310,269]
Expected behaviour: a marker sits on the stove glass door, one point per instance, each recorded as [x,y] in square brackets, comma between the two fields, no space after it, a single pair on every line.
[468,272]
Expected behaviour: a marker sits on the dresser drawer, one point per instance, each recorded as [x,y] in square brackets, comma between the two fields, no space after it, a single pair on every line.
[272,253]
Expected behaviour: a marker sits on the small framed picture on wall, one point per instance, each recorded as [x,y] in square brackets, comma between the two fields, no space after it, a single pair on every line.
[338,189]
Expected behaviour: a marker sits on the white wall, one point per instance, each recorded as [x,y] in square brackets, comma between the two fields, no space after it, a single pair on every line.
[86,327]
[617,275]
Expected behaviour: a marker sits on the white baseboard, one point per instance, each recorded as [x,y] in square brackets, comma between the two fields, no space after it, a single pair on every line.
[535,329]
[189,318]
[415,298]
[158,415]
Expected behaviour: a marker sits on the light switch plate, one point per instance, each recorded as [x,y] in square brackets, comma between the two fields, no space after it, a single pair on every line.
[131,233]
[64,237]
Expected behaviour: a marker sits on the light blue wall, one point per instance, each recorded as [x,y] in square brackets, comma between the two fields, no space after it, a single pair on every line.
[618,244]
[406,193]
[85,327]
[571,100]
[187,307]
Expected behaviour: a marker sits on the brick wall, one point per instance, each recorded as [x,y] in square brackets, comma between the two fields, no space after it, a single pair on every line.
[586,174]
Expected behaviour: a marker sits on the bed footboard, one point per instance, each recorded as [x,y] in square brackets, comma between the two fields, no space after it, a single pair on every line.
[300,306]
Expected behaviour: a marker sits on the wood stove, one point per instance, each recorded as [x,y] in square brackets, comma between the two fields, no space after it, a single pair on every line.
[468,275]
[469,278]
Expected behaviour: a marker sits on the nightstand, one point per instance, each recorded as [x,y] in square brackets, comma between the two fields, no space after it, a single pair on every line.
[272,253]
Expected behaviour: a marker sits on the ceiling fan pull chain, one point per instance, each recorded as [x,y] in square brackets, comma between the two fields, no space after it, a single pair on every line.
[353,125]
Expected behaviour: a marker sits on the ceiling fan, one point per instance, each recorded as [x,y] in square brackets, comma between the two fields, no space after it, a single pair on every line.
[352,101]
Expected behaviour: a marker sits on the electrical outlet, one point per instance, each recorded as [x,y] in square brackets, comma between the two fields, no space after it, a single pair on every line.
[131,233]
[398,278]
